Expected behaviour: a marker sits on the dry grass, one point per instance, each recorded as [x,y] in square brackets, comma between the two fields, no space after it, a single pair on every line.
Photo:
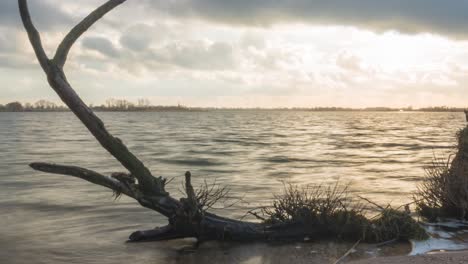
[332,212]
[444,191]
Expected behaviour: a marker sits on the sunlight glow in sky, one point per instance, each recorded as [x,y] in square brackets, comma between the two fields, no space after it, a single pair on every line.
[238,54]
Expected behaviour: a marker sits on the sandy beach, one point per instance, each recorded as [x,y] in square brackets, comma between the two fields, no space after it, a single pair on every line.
[446,258]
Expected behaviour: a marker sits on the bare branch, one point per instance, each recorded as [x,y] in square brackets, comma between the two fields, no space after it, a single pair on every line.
[162,204]
[351,250]
[66,44]
[85,174]
[33,35]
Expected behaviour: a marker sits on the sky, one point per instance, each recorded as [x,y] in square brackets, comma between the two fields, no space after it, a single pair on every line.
[248,53]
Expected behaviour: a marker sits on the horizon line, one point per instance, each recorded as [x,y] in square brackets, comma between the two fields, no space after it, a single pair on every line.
[124,105]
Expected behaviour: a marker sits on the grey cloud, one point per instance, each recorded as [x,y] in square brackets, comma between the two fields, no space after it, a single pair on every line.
[250,39]
[11,55]
[197,55]
[16,62]
[101,45]
[44,13]
[138,37]
[188,55]
[410,16]
[415,16]
[4,44]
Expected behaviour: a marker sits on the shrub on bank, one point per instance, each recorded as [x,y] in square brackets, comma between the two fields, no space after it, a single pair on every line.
[318,212]
[444,191]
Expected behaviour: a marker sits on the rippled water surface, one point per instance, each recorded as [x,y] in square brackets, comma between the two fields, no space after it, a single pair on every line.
[58,219]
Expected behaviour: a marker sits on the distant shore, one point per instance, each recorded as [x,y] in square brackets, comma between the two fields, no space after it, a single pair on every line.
[17,107]
[189,109]
[144,105]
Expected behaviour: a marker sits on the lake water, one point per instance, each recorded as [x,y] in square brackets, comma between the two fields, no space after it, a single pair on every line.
[58,219]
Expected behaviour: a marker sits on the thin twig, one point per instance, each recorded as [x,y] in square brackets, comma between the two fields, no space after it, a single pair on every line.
[347,252]
[371,202]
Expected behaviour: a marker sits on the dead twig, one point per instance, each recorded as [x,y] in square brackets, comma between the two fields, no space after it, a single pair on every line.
[347,252]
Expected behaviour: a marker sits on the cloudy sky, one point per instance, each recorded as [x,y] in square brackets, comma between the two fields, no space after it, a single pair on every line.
[249,53]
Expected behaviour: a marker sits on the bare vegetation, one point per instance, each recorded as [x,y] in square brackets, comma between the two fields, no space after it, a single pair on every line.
[211,195]
[332,212]
[444,191]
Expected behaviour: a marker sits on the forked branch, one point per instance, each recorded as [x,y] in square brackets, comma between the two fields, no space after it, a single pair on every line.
[59,83]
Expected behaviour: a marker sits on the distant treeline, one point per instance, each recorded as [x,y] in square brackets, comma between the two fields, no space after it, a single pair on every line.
[144,105]
[112,105]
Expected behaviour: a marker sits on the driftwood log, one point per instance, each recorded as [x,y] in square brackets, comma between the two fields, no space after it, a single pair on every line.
[186,218]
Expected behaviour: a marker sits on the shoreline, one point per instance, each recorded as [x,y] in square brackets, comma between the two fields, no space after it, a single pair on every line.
[448,257]
[236,110]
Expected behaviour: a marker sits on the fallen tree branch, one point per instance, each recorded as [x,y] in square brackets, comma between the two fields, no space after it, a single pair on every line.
[85,174]
[186,216]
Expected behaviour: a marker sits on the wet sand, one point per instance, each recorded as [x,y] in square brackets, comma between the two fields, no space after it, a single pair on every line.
[446,258]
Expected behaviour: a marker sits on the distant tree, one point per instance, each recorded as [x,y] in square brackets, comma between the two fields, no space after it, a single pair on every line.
[124,104]
[14,107]
[2,108]
[116,104]
[28,107]
[110,103]
[143,103]
[45,105]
